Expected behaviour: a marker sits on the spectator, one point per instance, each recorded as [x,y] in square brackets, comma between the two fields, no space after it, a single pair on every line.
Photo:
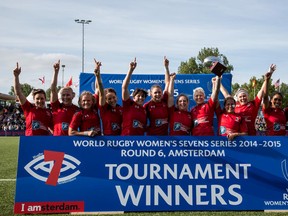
[260,125]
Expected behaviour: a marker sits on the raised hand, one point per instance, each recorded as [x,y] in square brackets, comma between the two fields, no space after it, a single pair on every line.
[133,64]
[272,68]
[57,66]
[98,64]
[166,62]
[17,70]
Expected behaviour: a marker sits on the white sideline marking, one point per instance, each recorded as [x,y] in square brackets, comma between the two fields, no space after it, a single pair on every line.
[5,180]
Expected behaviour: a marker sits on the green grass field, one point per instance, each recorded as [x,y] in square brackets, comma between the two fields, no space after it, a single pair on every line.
[8,166]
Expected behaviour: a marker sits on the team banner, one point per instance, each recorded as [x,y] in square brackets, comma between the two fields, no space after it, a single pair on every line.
[184,83]
[141,173]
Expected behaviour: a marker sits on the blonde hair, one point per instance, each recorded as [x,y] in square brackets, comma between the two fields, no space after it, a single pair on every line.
[67,88]
[86,93]
[196,90]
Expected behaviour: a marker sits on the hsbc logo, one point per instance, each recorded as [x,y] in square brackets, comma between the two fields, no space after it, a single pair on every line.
[53,167]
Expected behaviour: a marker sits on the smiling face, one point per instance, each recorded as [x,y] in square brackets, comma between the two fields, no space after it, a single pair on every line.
[67,96]
[86,100]
[199,97]
[156,93]
[39,100]
[242,98]
[111,99]
[139,98]
[229,105]
[182,103]
[276,101]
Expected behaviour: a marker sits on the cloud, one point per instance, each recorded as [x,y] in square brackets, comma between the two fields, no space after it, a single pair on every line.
[38,33]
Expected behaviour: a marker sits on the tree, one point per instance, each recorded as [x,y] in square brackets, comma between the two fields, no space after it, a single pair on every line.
[196,65]
[26,89]
[48,92]
[284,91]
[252,91]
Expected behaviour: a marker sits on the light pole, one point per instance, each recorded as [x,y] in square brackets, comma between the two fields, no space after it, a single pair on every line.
[83,22]
[63,66]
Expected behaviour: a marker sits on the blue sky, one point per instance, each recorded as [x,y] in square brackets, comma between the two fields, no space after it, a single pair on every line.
[252,34]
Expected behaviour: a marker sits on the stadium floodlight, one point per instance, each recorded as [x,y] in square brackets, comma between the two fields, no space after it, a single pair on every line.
[83,22]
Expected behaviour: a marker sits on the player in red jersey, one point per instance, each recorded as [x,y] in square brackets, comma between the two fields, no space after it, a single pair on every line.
[110,111]
[230,124]
[249,109]
[180,119]
[157,107]
[86,122]
[134,114]
[64,111]
[274,115]
[286,115]
[38,117]
[203,113]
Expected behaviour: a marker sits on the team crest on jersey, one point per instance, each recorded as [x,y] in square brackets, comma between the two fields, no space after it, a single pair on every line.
[276,127]
[115,126]
[158,122]
[65,126]
[35,125]
[222,130]
[177,126]
[136,124]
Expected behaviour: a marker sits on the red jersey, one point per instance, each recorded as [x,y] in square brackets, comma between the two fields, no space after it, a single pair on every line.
[96,106]
[275,121]
[249,112]
[157,113]
[111,119]
[180,122]
[286,113]
[37,119]
[86,120]
[134,118]
[202,116]
[62,116]
[230,123]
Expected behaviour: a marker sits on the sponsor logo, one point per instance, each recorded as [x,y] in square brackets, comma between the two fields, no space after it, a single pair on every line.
[177,126]
[48,207]
[222,130]
[35,125]
[115,126]
[65,126]
[282,202]
[276,127]
[53,167]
